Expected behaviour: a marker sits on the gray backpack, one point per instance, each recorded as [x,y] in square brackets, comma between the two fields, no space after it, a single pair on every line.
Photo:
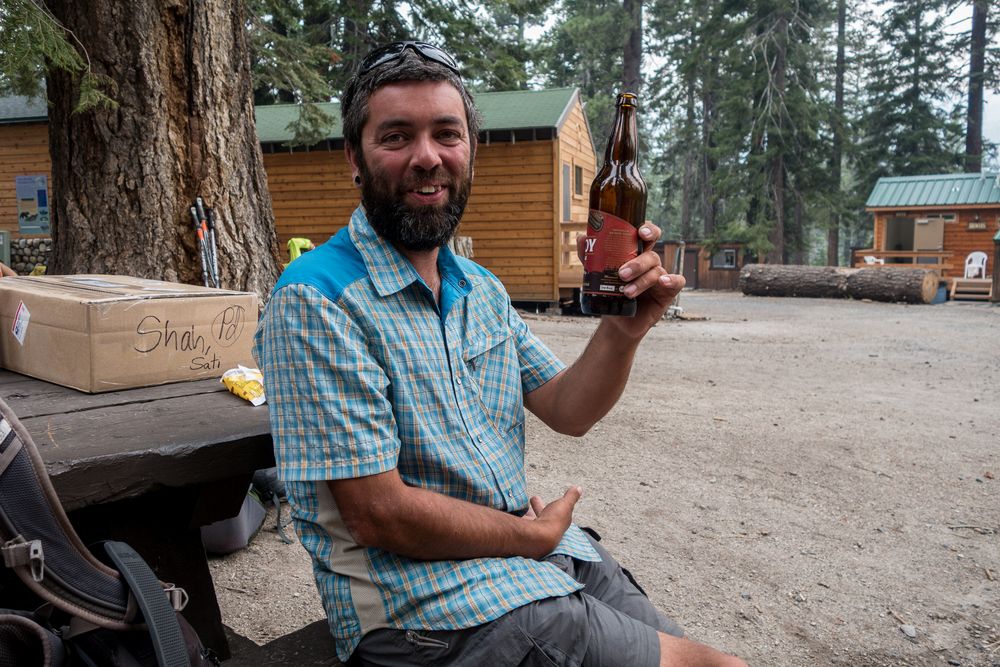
[85,610]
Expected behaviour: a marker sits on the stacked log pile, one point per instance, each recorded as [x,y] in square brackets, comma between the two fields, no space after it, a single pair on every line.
[877,283]
[26,254]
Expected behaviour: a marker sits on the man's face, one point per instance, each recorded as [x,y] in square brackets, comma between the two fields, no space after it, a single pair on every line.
[415,164]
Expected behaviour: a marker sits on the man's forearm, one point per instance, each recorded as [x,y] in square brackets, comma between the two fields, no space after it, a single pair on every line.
[576,399]
[380,511]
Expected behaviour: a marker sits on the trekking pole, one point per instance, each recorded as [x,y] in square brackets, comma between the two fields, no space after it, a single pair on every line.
[212,244]
[201,245]
[209,262]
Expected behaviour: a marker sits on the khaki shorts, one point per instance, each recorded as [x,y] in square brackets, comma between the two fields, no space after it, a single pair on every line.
[609,623]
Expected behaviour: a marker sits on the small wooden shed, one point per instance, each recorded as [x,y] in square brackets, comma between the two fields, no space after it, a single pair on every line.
[702,268]
[933,221]
[529,198]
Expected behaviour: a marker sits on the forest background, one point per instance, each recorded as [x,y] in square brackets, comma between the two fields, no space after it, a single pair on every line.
[762,121]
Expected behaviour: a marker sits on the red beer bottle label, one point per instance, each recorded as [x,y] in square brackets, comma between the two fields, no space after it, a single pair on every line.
[610,242]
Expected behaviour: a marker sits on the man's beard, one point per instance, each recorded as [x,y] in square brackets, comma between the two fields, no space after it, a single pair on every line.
[413,228]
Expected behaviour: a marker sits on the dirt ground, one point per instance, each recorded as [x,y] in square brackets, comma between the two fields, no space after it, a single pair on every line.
[799,482]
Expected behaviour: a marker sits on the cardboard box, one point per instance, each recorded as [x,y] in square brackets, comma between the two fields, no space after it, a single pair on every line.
[104,333]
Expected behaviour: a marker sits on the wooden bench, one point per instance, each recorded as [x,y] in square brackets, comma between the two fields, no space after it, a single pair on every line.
[149,467]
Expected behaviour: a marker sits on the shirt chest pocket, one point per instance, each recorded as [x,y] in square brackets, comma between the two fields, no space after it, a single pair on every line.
[484,351]
[491,361]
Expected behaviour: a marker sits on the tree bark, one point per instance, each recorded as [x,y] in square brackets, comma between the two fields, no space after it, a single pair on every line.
[837,154]
[461,246]
[709,164]
[877,284]
[776,138]
[977,68]
[124,179]
[687,178]
[632,77]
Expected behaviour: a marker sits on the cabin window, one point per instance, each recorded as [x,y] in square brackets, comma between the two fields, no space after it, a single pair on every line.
[724,259]
[567,201]
[578,181]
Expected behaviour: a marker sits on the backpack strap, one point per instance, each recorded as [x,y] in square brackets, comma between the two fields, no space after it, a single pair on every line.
[157,610]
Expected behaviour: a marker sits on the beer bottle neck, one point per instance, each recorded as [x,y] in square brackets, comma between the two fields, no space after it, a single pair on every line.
[623,143]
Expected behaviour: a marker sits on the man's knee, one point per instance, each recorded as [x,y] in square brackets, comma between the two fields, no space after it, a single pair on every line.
[680,652]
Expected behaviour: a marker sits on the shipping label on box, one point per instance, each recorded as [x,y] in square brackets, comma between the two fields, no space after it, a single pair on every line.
[103,333]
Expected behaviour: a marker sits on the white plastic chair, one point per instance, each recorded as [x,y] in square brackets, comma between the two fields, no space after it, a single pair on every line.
[872,259]
[975,264]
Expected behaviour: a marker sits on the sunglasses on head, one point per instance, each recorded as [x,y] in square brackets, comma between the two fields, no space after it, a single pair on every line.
[395,51]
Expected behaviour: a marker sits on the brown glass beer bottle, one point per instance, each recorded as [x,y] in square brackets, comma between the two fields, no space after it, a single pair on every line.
[617,210]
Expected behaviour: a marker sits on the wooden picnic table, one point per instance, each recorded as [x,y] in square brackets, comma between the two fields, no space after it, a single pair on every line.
[150,466]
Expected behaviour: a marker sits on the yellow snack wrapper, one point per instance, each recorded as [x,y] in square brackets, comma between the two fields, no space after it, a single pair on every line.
[246,383]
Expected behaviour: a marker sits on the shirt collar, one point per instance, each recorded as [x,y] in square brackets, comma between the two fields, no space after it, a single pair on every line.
[389,270]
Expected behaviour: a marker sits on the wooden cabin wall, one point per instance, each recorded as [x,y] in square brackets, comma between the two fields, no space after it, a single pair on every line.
[878,235]
[312,194]
[961,240]
[510,217]
[25,151]
[577,150]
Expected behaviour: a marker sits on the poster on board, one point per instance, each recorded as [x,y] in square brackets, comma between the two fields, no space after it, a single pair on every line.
[32,204]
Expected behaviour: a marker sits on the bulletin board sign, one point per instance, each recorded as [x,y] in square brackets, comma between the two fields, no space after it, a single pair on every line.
[32,204]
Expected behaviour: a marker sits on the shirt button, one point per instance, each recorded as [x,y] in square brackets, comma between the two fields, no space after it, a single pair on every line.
[458,381]
[461,283]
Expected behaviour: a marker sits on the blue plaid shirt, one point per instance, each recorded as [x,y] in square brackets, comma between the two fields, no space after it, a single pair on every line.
[364,373]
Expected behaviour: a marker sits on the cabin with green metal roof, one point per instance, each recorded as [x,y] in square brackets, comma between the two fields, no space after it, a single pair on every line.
[529,197]
[934,221]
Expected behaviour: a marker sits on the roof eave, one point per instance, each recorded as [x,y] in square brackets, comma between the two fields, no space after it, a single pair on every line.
[24,121]
[929,207]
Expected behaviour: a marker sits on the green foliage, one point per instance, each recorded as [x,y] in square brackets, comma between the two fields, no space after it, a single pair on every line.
[907,129]
[585,49]
[748,129]
[291,63]
[754,236]
[305,51]
[31,39]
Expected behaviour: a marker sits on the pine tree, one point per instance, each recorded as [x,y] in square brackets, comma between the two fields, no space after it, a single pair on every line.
[585,49]
[907,129]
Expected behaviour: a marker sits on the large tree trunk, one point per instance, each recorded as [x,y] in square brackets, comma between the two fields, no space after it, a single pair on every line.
[776,136]
[124,179]
[977,66]
[709,203]
[837,154]
[687,182]
[877,284]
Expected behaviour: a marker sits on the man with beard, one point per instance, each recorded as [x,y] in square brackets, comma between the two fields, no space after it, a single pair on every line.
[397,376]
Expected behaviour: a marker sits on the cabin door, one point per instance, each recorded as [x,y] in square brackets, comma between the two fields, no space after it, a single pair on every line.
[691,267]
[928,235]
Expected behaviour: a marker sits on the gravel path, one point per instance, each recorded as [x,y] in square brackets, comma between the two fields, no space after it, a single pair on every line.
[800,482]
